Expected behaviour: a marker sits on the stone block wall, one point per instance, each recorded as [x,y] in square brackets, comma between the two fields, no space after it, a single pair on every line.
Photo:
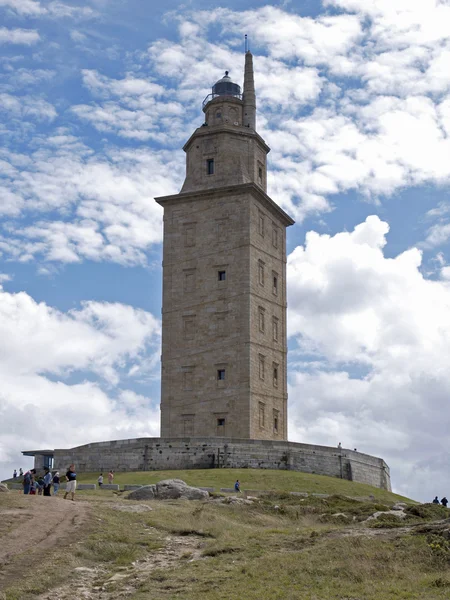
[153,454]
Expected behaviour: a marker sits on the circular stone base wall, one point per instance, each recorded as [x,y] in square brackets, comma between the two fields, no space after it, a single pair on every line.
[152,454]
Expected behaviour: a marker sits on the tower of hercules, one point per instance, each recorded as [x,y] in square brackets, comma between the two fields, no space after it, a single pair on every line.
[224,281]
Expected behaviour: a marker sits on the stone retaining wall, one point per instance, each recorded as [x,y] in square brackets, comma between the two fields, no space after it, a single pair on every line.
[153,454]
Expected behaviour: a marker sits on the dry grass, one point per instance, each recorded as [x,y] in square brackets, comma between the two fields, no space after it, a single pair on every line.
[279,547]
[255,554]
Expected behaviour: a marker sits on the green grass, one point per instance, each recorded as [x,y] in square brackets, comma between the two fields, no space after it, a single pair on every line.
[254,479]
[259,552]
[280,547]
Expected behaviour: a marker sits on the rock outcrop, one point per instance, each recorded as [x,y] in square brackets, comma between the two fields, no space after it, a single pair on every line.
[168,489]
[3,488]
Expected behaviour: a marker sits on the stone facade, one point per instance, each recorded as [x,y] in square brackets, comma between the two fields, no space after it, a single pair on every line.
[224,347]
[152,454]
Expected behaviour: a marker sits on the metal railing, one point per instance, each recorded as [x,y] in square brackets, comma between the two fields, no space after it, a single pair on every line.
[210,97]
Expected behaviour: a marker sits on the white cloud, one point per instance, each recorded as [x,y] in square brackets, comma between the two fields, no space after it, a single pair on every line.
[27,107]
[132,108]
[23,78]
[380,71]
[380,331]
[40,347]
[23,7]
[27,37]
[55,9]
[107,201]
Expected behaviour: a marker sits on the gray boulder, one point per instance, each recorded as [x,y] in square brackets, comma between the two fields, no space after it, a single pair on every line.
[168,489]
[396,513]
[3,488]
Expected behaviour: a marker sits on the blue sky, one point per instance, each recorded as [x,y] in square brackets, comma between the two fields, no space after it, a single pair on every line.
[97,98]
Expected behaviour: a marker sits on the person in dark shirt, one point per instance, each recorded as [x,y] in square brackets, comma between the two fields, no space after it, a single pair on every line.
[71,478]
[436,500]
[444,502]
[47,482]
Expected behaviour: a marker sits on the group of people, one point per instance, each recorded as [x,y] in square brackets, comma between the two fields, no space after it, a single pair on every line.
[42,485]
[110,478]
[444,501]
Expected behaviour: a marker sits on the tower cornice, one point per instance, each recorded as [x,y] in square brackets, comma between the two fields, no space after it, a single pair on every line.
[230,189]
[225,128]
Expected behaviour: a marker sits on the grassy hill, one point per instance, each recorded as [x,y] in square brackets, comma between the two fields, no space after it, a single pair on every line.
[253,479]
[277,547]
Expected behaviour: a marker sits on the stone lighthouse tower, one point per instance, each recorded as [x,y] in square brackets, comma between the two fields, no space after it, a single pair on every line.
[224,281]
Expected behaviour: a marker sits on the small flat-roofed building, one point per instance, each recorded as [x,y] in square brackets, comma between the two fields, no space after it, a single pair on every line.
[43,459]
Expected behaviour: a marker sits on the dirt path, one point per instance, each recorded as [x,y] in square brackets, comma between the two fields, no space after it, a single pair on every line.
[440,527]
[89,583]
[32,526]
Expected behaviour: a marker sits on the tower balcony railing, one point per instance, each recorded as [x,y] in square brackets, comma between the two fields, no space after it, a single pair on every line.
[210,97]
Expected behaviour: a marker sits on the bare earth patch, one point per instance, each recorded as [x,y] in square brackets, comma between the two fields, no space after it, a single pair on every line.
[32,526]
[98,583]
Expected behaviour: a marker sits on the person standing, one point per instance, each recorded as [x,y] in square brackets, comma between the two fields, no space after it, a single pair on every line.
[100,480]
[14,474]
[237,486]
[71,478]
[47,482]
[40,485]
[28,479]
[110,476]
[20,472]
[56,481]
[436,500]
[444,502]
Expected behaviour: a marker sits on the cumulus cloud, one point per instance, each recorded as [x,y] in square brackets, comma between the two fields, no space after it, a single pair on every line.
[107,201]
[42,347]
[377,331]
[27,107]
[27,37]
[379,74]
[23,7]
[54,9]
[132,108]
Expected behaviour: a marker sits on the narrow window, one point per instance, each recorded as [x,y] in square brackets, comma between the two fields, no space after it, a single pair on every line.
[275,329]
[260,174]
[261,272]
[220,374]
[275,420]
[261,224]
[275,237]
[261,366]
[275,375]
[210,166]
[262,415]
[275,284]
[220,422]
[261,319]
[221,275]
